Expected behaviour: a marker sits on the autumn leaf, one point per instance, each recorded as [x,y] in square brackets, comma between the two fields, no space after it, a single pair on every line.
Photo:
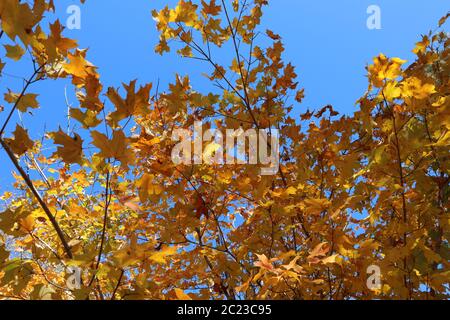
[319,250]
[14,52]
[70,149]
[443,19]
[211,8]
[272,35]
[264,263]
[181,295]
[78,66]
[316,206]
[116,148]
[352,194]
[147,187]
[21,142]
[333,259]
[163,254]
[23,102]
[413,87]
[134,101]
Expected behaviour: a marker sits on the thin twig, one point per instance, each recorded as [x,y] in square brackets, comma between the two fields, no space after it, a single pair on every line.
[27,84]
[113,297]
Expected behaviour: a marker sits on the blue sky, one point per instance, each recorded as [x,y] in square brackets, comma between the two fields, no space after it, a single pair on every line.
[327,41]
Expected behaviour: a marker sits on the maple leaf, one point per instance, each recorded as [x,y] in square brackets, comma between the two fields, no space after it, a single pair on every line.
[384,68]
[316,206]
[163,254]
[78,66]
[21,142]
[392,91]
[116,148]
[134,101]
[14,52]
[364,190]
[319,250]
[413,87]
[23,102]
[56,44]
[211,8]
[147,187]
[18,19]
[70,149]
[264,262]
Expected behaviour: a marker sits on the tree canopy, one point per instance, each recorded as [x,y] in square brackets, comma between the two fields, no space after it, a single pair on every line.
[351,193]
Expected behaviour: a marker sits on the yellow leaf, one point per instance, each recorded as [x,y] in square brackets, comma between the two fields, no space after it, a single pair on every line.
[264,262]
[444,140]
[70,149]
[21,142]
[334,259]
[392,91]
[414,88]
[134,101]
[316,206]
[147,187]
[116,148]
[18,19]
[27,223]
[422,45]
[23,102]
[161,255]
[181,295]
[319,251]
[14,52]
[78,66]
[384,68]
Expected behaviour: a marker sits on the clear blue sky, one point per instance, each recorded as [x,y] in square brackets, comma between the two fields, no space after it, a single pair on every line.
[326,40]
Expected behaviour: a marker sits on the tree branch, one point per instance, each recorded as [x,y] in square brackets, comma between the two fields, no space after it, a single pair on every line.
[38,197]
